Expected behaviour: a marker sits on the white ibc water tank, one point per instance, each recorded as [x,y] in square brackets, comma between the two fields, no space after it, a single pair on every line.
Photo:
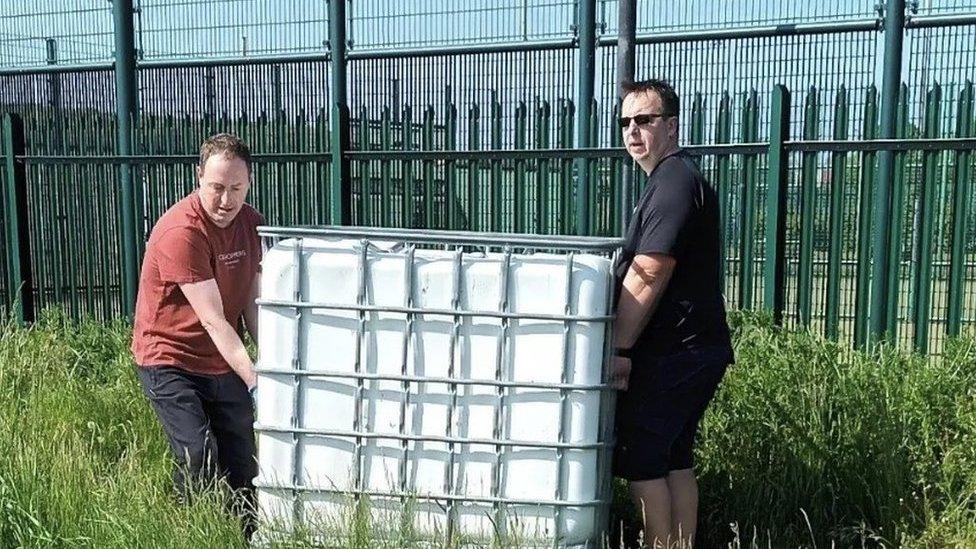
[470,382]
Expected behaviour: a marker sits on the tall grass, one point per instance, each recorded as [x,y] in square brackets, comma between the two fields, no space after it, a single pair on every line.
[806,444]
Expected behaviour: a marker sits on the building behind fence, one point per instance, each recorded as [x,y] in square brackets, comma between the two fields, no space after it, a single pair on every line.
[499,116]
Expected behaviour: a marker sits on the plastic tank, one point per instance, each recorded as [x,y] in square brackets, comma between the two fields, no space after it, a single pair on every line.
[469,382]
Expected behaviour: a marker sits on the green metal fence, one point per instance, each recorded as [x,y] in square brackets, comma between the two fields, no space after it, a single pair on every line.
[488,116]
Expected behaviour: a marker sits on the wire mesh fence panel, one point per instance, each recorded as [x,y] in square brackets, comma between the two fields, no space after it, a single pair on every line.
[386,24]
[70,113]
[704,15]
[75,236]
[48,32]
[197,29]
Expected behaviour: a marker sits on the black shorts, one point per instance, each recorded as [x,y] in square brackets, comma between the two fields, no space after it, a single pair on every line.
[658,416]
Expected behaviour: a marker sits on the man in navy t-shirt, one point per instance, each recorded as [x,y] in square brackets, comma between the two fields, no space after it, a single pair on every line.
[671,338]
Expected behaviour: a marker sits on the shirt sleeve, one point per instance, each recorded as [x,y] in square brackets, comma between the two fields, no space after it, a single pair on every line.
[668,216]
[184,257]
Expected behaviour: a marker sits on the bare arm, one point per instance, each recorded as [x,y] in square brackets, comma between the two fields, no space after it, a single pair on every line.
[204,297]
[644,285]
[251,311]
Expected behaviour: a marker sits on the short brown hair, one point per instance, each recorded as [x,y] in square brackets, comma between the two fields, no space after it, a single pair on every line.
[226,144]
[669,99]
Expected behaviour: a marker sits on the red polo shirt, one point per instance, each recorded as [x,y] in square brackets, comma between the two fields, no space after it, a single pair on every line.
[184,247]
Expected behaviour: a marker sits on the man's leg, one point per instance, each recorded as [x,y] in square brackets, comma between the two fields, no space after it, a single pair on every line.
[683,488]
[646,429]
[232,421]
[653,500]
[697,392]
[175,397]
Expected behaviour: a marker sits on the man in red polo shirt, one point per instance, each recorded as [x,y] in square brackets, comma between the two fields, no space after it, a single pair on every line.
[199,280]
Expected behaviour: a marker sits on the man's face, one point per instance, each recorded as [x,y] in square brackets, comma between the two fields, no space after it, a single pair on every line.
[652,139]
[224,182]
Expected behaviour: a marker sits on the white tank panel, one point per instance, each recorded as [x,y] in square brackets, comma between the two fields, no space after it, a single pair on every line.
[389,343]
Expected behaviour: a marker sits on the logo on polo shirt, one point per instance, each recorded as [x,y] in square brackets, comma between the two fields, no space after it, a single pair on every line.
[230,259]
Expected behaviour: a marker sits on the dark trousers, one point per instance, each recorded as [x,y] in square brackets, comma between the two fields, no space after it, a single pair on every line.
[209,421]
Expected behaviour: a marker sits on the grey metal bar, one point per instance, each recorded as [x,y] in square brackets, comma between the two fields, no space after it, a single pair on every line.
[420,310]
[586,81]
[452,238]
[449,439]
[450,486]
[234,61]
[929,21]
[296,401]
[607,411]
[434,51]
[358,402]
[444,380]
[340,188]
[498,477]
[626,36]
[488,154]
[60,69]
[950,143]
[758,31]
[405,359]
[430,497]
[569,153]
[563,398]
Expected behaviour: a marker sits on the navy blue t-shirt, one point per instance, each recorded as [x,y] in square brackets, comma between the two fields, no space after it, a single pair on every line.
[678,215]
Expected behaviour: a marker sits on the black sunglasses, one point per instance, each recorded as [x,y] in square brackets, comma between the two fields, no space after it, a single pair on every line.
[640,119]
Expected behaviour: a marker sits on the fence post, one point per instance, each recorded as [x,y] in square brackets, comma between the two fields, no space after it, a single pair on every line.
[339,189]
[587,78]
[54,96]
[894,28]
[20,280]
[926,222]
[495,116]
[723,183]
[750,175]
[697,120]
[126,110]
[862,291]
[838,183]
[626,38]
[774,266]
[808,197]
[960,213]
[896,230]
